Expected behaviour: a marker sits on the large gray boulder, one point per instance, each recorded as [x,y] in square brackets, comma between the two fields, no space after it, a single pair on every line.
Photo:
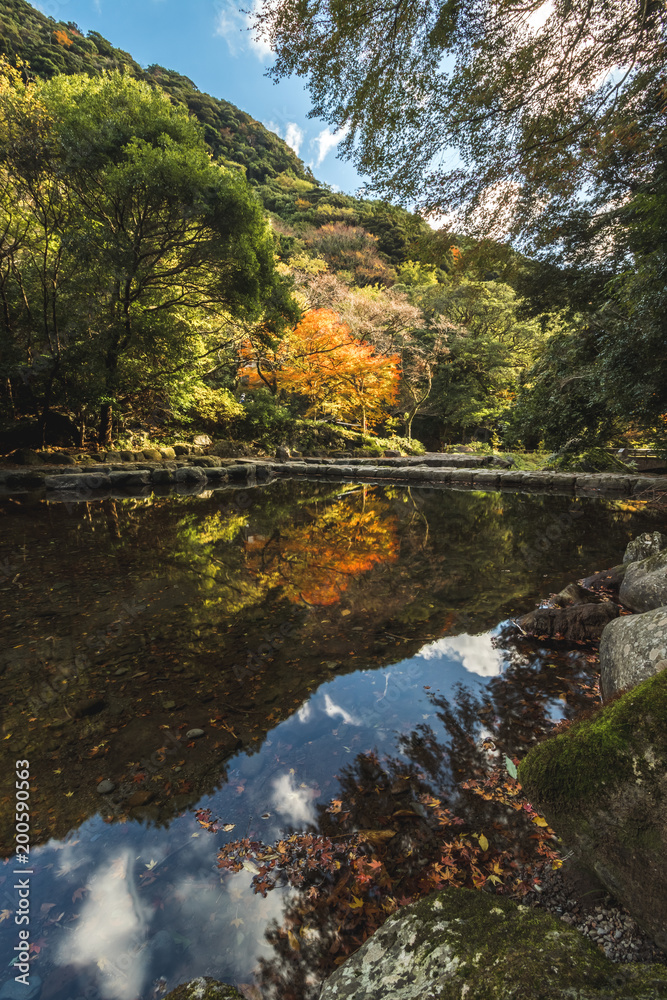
[632,649]
[464,945]
[644,585]
[601,786]
[643,546]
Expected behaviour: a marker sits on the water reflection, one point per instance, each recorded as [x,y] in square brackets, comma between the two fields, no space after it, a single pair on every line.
[317,636]
[111,921]
[478,653]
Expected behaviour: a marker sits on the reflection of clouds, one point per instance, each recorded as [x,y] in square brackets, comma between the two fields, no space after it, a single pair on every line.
[332,710]
[476,653]
[305,712]
[111,929]
[231,921]
[295,804]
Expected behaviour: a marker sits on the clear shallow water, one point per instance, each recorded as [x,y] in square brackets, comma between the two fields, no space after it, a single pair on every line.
[301,628]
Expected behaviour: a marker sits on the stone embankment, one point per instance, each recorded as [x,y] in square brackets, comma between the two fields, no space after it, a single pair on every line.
[128,474]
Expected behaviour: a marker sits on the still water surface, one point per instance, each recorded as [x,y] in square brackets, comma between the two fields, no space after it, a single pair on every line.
[301,627]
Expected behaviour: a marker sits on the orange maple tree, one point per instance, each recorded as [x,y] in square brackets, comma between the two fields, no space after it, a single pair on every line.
[62,38]
[320,360]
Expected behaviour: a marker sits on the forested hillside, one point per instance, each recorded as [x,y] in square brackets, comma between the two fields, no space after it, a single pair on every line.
[51,47]
[276,302]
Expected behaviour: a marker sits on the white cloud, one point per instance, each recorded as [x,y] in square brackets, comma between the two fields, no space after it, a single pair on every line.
[233,25]
[110,932]
[326,141]
[292,802]
[476,653]
[332,710]
[291,133]
[294,136]
[228,26]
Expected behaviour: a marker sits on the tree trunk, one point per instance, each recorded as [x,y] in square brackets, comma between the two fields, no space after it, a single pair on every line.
[10,398]
[46,406]
[104,436]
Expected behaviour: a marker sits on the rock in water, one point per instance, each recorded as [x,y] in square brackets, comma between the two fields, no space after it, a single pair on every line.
[576,623]
[608,579]
[632,649]
[472,945]
[575,594]
[204,988]
[601,787]
[648,544]
[644,585]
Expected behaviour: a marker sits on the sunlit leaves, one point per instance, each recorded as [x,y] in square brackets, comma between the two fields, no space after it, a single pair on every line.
[323,363]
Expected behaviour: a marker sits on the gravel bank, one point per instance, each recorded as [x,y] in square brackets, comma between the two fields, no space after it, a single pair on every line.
[579,902]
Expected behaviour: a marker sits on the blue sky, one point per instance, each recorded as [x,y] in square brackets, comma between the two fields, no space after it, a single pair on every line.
[207,40]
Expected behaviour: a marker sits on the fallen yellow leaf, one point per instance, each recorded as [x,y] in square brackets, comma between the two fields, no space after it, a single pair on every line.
[377,836]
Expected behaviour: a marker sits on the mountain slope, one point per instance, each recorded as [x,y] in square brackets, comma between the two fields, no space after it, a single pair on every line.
[51,47]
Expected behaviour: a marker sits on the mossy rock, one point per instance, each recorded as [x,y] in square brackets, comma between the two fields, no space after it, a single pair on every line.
[602,785]
[587,460]
[464,944]
[204,988]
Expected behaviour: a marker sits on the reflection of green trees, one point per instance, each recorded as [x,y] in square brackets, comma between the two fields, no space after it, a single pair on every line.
[309,555]
[172,593]
[442,812]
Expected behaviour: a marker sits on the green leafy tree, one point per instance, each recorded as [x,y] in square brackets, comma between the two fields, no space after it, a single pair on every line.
[169,247]
[538,99]
[556,114]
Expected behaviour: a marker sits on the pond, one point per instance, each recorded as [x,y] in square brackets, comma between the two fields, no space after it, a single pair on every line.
[184,673]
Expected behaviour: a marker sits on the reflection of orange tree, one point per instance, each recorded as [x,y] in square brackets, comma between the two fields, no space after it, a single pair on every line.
[316,561]
[321,361]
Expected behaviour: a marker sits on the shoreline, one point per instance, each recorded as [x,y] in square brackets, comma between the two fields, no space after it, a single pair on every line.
[194,474]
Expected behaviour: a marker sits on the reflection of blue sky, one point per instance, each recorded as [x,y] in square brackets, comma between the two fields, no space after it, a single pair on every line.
[154,904]
[476,653]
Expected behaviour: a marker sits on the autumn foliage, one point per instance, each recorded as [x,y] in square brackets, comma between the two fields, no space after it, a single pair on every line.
[387,841]
[316,562]
[62,38]
[320,360]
